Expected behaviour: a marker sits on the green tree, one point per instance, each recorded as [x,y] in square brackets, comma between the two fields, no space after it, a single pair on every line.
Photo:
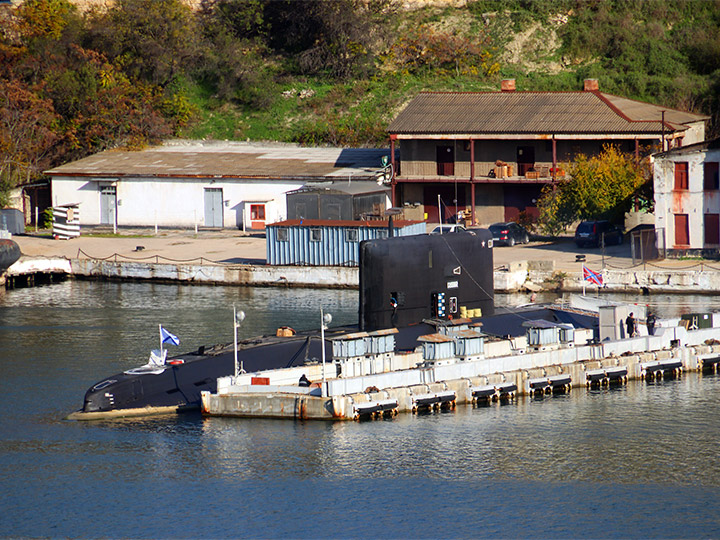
[151,40]
[602,186]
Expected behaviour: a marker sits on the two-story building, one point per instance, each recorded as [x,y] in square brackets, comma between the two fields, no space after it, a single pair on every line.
[687,199]
[489,154]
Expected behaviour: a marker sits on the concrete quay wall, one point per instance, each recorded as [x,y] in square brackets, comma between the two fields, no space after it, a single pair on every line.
[522,275]
[247,275]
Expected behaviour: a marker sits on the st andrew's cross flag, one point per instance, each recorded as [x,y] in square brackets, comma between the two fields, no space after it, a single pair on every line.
[592,277]
[167,337]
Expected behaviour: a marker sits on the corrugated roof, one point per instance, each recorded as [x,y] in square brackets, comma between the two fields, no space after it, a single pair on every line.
[533,113]
[377,224]
[229,160]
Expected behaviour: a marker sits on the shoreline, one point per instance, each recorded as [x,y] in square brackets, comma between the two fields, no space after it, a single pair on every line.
[522,276]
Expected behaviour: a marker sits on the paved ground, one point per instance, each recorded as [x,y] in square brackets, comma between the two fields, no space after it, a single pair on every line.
[228,246]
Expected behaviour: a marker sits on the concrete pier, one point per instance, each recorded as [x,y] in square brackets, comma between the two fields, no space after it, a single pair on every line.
[669,353]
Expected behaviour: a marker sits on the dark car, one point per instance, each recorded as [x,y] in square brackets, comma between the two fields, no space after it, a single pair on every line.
[594,233]
[509,234]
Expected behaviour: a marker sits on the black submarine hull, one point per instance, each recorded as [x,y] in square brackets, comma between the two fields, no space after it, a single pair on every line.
[177,384]
[403,281]
[9,253]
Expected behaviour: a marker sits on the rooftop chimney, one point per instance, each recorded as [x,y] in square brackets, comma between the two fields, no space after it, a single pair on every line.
[507,85]
[591,85]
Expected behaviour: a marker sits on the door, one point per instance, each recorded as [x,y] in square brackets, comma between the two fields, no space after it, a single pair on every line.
[257,216]
[213,207]
[682,231]
[108,205]
[712,229]
[525,159]
[445,161]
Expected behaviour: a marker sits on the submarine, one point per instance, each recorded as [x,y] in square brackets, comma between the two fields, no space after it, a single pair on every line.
[404,282]
[9,253]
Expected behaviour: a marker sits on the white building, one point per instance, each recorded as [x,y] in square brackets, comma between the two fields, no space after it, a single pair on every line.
[687,199]
[185,184]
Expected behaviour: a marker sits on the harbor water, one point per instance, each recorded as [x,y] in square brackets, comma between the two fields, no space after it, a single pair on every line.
[633,462]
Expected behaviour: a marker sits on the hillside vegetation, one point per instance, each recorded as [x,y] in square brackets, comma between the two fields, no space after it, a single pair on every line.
[319,71]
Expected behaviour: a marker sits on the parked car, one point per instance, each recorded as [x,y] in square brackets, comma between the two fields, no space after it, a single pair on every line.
[509,234]
[592,233]
[447,228]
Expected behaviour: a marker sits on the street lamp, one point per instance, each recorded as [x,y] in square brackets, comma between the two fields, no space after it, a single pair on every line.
[238,318]
[325,320]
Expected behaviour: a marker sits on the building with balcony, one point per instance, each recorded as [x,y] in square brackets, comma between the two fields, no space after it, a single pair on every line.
[489,154]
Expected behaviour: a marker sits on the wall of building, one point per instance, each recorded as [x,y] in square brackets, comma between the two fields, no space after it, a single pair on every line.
[419,156]
[694,202]
[142,202]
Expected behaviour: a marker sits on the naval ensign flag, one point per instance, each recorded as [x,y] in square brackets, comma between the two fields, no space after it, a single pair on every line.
[167,337]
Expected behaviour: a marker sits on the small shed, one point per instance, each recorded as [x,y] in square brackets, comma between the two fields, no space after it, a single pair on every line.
[12,220]
[342,201]
[315,242]
[541,333]
[437,347]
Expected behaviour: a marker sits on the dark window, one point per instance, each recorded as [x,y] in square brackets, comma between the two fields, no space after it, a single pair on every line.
[315,235]
[712,229]
[282,234]
[710,175]
[445,161]
[351,235]
[681,175]
[682,230]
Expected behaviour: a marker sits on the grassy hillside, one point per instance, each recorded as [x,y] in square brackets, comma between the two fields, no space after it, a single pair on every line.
[659,52]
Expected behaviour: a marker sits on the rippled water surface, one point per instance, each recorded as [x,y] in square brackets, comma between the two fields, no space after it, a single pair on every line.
[640,461]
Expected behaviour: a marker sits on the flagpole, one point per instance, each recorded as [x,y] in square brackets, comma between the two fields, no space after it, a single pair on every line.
[235,341]
[582,274]
[160,333]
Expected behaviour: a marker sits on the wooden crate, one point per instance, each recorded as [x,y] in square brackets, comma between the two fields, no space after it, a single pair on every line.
[532,174]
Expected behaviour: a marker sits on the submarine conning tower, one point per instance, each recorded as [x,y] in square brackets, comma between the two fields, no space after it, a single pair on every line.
[404,280]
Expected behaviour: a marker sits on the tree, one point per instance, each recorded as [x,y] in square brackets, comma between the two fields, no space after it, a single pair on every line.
[27,135]
[329,37]
[151,40]
[602,186]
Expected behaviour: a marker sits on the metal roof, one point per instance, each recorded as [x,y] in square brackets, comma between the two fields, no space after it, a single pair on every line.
[376,224]
[702,146]
[189,159]
[534,113]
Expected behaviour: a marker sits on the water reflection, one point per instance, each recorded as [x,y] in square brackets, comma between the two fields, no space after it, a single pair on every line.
[567,461]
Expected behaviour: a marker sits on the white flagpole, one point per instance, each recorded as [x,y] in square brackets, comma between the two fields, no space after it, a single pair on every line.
[582,276]
[322,344]
[160,333]
[235,325]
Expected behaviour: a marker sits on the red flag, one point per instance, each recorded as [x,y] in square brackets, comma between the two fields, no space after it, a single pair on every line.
[592,277]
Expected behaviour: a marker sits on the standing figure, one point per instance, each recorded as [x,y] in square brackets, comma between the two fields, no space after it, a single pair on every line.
[651,319]
[630,328]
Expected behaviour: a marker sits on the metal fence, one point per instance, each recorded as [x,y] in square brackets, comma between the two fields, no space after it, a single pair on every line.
[647,245]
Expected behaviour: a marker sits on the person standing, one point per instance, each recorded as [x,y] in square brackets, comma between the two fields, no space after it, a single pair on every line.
[651,320]
[630,328]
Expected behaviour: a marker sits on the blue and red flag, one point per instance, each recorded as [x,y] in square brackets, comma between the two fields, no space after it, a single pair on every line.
[592,277]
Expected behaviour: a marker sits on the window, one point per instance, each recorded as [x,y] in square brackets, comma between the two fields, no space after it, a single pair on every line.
[315,235]
[712,229]
[351,235]
[257,212]
[681,175]
[682,231]
[710,175]
[282,234]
